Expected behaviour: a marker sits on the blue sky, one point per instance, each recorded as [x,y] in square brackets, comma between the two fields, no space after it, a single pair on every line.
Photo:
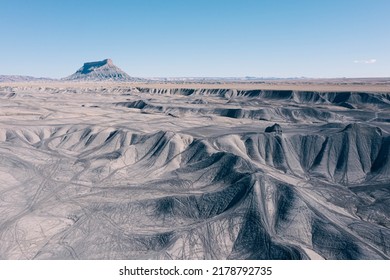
[166,38]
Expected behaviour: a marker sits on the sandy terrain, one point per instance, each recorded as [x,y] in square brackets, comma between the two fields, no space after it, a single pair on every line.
[188,171]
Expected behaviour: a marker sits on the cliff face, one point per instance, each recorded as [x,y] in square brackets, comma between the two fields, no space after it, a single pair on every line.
[103,70]
[89,67]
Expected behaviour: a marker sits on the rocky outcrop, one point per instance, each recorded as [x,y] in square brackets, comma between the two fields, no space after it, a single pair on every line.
[274,128]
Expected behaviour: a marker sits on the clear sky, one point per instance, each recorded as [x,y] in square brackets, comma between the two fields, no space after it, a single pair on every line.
[177,38]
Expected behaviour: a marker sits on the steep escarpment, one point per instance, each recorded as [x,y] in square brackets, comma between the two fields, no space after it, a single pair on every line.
[264,105]
[347,156]
[335,98]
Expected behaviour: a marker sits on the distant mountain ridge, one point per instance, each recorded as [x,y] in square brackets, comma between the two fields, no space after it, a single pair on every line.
[21,78]
[103,70]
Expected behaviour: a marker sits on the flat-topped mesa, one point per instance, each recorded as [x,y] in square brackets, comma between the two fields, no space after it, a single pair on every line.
[89,66]
[99,63]
[103,70]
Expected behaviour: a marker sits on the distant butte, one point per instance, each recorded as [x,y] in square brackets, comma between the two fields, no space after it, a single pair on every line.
[103,70]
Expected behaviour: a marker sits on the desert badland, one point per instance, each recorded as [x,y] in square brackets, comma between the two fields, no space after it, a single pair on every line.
[188,170]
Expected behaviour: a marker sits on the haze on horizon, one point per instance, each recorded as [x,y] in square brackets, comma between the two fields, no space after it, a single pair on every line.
[197,38]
